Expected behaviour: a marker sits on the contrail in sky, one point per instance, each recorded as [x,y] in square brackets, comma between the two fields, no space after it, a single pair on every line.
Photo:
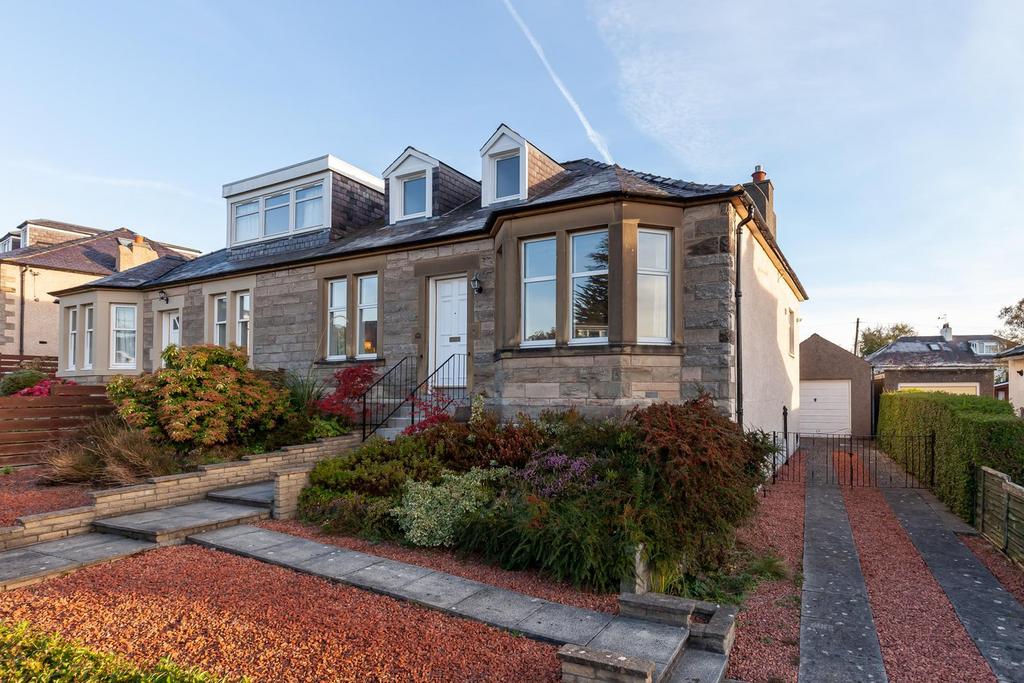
[594,136]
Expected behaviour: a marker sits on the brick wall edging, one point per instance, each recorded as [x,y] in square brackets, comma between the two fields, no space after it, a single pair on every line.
[176,489]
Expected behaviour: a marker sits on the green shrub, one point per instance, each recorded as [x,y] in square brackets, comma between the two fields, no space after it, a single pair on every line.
[26,655]
[434,514]
[20,379]
[203,396]
[484,440]
[970,431]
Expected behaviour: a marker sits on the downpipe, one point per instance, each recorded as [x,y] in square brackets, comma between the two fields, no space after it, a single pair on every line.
[739,312]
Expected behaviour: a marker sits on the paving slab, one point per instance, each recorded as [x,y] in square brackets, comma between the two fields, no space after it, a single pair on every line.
[259,495]
[243,540]
[838,640]
[294,550]
[992,617]
[659,643]
[23,566]
[441,590]
[338,564]
[168,525]
[699,665]
[499,607]
[386,576]
[557,623]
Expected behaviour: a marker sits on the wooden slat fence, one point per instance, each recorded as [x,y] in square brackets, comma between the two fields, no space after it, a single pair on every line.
[1000,512]
[12,362]
[29,425]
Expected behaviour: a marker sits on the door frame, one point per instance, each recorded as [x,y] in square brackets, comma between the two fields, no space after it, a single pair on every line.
[431,316]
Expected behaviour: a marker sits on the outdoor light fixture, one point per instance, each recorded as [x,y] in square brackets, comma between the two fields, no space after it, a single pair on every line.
[163,296]
[475,284]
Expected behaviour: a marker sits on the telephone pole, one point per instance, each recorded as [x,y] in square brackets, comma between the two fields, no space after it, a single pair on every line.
[856,337]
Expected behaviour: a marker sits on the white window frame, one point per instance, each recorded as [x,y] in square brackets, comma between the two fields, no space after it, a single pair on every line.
[333,308]
[523,280]
[363,307]
[234,220]
[239,320]
[114,365]
[588,341]
[72,336]
[495,158]
[296,201]
[89,319]
[261,203]
[217,322]
[402,180]
[264,209]
[791,320]
[667,274]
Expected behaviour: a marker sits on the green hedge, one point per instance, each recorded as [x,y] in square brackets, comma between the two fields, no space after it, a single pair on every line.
[970,431]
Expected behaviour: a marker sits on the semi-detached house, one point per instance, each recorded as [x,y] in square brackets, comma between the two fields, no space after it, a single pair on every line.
[544,284]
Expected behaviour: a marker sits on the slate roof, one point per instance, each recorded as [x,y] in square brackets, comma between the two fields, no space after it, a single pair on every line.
[94,254]
[915,352]
[140,275]
[61,225]
[1012,352]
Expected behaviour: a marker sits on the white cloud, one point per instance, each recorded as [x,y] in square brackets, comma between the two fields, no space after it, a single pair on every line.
[595,138]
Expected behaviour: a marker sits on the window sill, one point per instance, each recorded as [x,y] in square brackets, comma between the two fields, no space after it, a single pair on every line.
[349,360]
[538,345]
[603,349]
[602,341]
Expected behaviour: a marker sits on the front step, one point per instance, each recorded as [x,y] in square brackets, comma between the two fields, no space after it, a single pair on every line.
[699,666]
[257,495]
[168,526]
[33,563]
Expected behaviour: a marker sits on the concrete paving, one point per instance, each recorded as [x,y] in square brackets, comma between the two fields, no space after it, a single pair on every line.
[24,566]
[171,525]
[838,641]
[257,495]
[992,617]
[533,617]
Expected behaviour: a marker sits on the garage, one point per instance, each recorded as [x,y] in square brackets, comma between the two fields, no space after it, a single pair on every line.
[825,406]
[835,389]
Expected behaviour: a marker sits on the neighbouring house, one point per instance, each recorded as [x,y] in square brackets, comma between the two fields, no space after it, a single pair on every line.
[544,284]
[1014,359]
[835,389]
[956,364]
[41,256]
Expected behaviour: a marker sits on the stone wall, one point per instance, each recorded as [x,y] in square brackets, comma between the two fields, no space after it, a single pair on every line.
[984,379]
[160,492]
[286,323]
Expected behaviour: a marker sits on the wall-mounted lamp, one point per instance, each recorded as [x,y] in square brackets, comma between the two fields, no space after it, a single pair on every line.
[1020,373]
[163,296]
[475,284]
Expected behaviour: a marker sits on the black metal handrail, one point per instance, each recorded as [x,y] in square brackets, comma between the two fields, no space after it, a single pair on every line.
[445,386]
[391,390]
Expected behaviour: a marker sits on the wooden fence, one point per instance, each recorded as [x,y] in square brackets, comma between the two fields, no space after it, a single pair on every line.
[1000,512]
[29,425]
[12,362]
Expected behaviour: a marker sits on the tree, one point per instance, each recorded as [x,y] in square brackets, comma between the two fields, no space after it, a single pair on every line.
[1013,321]
[874,338]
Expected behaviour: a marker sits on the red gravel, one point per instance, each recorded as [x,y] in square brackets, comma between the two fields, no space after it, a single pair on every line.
[768,628]
[21,494]
[527,582]
[1008,573]
[920,635]
[238,617]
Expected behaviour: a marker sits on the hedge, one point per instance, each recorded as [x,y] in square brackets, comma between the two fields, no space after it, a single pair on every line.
[970,431]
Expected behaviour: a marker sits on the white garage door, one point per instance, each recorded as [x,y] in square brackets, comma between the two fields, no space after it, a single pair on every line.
[825,406]
[968,388]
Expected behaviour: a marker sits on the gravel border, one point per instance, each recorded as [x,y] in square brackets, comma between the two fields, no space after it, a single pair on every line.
[767,644]
[237,617]
[919,633]
[21,494]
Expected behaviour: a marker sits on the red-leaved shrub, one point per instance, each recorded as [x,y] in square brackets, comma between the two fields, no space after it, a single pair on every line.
[352,384]
[44,387]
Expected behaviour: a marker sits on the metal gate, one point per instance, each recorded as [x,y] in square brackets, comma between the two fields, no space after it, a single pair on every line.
[850,460]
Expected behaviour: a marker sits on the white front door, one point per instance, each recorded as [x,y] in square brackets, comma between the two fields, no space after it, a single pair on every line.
[449,324]
[172,329]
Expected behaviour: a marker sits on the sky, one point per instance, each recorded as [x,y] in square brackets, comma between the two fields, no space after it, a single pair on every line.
[893,132]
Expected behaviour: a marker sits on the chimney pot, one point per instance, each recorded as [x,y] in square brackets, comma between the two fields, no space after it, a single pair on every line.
[759,175]
[139,239]
[947,332]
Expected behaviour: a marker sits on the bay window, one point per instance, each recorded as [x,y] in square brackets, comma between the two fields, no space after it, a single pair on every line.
[653,286]
[243,330]
[123,334]
[539,292]
[367,340]
[337,318]
[72,336]
[220,321]
[589,277]
[89,324]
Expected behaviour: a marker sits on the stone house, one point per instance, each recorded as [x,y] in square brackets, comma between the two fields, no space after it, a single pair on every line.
[41,256]
[545,284]
[1014,359]
[956,364]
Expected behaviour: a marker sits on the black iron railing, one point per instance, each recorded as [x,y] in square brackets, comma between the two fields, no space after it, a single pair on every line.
[384,397]
[903,461]
[444,388]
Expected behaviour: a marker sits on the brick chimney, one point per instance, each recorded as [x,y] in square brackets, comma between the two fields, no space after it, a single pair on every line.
[947,332]
[762,192]
[134,252]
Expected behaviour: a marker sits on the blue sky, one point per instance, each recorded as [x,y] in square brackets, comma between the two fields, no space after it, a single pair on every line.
[893,131]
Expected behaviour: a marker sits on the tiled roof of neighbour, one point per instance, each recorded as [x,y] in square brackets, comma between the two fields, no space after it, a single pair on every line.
[140,275]
[920,352]
[583,178]
[1012,352]
[61,225]
[96,254]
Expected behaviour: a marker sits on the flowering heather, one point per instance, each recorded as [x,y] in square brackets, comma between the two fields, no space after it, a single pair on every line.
[551,472]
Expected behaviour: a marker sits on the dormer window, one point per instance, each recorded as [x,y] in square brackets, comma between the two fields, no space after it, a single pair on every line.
[247,221]
[280,213]
[985,348]
[506,177]
[414,196]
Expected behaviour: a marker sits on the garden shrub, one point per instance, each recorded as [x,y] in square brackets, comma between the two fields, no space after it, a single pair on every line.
[203,396]
[352,383]
[107,452]
[434,514]
[28,655]
[20,379]
[484,440]
[970,431]
[44,388]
